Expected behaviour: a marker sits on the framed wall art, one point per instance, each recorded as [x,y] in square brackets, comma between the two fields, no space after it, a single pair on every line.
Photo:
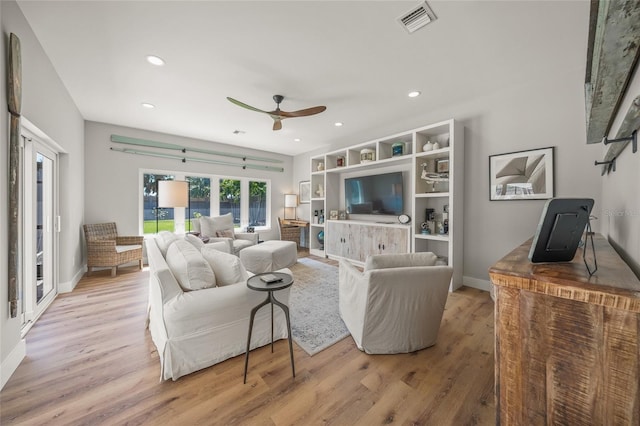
[304,192]
[523,175]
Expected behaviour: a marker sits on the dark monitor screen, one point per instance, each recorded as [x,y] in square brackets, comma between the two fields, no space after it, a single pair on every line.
[561,226]
[375,194]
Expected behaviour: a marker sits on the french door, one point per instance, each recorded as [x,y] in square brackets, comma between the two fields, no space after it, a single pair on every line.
[40,229]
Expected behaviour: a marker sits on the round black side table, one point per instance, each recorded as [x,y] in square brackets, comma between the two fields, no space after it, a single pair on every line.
[257,284]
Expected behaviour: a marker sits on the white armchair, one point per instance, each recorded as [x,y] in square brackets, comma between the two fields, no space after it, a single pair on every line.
[220,228]
[396,304]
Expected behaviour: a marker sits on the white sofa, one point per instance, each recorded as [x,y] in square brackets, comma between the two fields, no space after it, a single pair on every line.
[220,228]
[396,304]
[195,329]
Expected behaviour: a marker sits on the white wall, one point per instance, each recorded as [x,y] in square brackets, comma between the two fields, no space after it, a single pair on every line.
[620,214]
[112,190]
[546,112]
[46,104]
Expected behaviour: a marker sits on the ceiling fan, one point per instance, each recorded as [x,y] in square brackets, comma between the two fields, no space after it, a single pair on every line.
[278,115]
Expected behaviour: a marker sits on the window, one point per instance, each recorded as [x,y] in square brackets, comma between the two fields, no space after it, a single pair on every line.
[230,199]
[257,203]
[155,219]
[248,200]
[199,198]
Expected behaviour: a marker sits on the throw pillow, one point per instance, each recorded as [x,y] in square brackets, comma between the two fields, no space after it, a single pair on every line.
[194,241]
[189,267]
[164,240]
[210,224]
[226,233]
[227,267]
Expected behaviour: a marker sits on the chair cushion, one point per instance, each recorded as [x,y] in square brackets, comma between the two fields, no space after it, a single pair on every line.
[129,247]
[189,267]
[164,240]
[227,268]
[210,224]
[241,244]
[194,241]
[384,261]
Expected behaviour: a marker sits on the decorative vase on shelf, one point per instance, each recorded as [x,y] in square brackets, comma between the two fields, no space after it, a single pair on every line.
[320,167]
[436,146]
[397,149]
[367,155]
[428,146]
[321,239]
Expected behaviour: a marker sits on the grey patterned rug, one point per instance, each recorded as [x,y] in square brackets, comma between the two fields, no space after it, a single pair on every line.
[313,306]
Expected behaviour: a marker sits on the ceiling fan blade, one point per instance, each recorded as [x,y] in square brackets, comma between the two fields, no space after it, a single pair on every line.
[302,112]
[277,124]
[249,107]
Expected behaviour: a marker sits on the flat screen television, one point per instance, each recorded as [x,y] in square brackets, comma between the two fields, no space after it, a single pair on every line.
[375,194]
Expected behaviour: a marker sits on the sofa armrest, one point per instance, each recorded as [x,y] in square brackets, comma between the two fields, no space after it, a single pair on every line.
[218,239]
[129,240]
[95,248]
[353,289]
[249,236]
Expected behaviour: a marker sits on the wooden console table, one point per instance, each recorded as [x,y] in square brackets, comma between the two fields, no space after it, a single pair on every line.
[567,345]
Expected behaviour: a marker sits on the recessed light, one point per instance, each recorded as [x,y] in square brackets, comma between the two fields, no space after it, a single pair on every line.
[155,60]
[296,140]
[414,94]
[148,105]
[338,124]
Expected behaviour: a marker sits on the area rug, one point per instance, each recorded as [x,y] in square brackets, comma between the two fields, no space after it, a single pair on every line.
[313,306]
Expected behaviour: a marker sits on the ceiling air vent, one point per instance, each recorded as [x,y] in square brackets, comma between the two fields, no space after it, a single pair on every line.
[417,17]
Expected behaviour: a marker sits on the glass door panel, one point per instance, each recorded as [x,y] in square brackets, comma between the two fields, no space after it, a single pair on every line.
[44,226]
[40,219]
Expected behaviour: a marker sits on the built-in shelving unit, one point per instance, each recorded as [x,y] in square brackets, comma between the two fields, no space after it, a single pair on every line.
[439,188]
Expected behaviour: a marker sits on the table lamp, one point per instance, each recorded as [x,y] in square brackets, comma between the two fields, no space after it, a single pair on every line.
[290,202]
[173,193]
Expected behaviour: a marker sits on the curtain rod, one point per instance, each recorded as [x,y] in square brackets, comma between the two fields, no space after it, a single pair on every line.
[154,144]
[198,160]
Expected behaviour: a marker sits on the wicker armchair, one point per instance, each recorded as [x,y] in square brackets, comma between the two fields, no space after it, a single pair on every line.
[289,232]
[106,249]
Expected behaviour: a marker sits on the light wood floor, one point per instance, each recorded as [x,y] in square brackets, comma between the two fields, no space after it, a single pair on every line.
[90,361]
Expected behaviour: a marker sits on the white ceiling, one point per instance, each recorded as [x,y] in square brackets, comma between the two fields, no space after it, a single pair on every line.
[353,57]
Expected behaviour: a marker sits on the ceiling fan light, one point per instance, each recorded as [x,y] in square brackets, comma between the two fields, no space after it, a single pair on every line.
[155,60]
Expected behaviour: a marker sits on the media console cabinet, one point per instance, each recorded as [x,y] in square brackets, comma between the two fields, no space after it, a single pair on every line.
[356,240]
[567,345]
[431,159]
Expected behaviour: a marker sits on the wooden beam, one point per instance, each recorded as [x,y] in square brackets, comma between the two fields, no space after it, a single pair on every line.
[614,49]
[14,103]
[630,123]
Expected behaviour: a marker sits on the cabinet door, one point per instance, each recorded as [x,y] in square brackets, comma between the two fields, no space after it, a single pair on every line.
[392,240]
[359,242]
[336,238]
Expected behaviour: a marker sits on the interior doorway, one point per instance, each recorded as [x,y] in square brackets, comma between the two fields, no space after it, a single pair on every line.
[40,226]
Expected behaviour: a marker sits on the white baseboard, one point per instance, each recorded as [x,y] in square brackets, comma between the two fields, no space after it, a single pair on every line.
[68,286]
[477,283]
[11,363]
